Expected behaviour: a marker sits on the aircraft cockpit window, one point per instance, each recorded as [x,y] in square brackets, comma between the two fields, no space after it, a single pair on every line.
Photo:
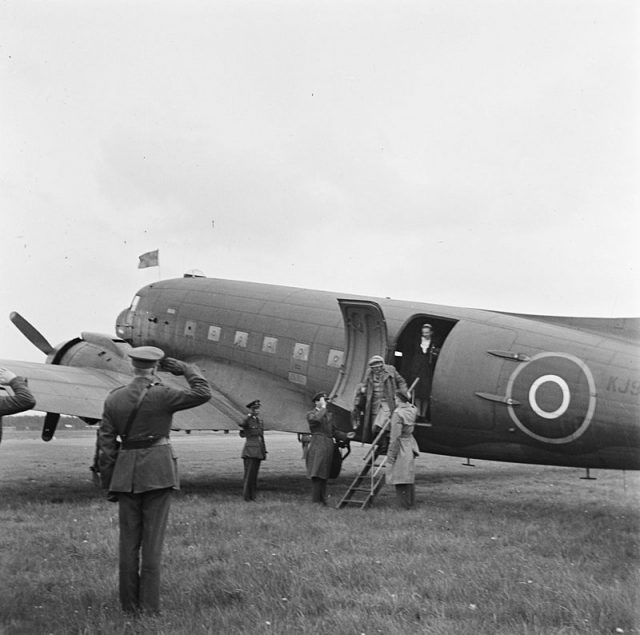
[269,345]
[135,302]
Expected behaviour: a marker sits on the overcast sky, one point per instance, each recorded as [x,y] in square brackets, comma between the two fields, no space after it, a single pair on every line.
[471,152]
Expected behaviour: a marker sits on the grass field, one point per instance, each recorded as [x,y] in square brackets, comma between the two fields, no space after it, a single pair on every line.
[495,548]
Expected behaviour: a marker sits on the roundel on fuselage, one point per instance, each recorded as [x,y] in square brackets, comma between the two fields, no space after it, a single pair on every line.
[556,397]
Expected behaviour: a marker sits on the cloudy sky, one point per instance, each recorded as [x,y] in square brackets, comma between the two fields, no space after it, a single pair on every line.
[474,152]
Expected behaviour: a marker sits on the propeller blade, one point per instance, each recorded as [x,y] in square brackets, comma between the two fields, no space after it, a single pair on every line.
[31,333]
[50,424]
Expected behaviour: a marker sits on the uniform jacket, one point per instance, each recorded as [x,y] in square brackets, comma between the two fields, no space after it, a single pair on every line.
[253,429]
[392,381]
[320,450]
[403,447]
[155,467]
[21,400]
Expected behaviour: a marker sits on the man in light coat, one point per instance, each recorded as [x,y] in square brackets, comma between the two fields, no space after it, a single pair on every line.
[143,472]
[403,448]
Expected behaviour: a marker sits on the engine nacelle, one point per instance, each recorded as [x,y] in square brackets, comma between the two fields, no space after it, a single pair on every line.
[94,350]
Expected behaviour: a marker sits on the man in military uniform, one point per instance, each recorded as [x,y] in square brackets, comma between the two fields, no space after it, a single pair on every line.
[254,449]
[143,472]
[22,398]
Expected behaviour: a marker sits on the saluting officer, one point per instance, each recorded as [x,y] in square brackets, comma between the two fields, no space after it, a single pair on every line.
[143,472]
[22,398]
[254,449]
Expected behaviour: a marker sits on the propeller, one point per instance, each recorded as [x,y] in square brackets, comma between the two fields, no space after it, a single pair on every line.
[31,333]
[39,341]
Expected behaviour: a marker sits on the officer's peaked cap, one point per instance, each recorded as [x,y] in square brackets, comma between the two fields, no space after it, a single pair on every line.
[318,395]
[145,356]
[376,359]
[254,404]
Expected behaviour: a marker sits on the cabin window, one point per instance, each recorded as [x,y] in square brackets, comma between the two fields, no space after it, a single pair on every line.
[134,303]
[190,328]
[214,333]
[335,358]
[301,352]
[240,339]
[269,345]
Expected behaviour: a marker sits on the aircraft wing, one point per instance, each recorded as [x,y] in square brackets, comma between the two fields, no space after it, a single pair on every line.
[80,391]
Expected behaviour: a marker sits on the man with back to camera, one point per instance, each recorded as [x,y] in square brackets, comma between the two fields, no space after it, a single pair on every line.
[22,398]
[143,472]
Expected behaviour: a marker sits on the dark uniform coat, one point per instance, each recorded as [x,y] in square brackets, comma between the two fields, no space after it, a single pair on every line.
[21,400]
[144,469]
[320,451]
[253,431]
[392,380]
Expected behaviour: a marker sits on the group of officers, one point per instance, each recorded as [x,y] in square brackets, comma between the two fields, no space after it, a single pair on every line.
[138,468]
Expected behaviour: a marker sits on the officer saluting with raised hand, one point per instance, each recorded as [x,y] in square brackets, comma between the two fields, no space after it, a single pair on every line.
[143,472]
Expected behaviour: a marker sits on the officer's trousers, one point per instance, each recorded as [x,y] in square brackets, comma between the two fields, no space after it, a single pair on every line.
[406,495]
[143,520]
[250,485]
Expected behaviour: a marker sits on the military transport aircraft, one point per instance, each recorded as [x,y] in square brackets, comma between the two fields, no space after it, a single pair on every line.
[506,387]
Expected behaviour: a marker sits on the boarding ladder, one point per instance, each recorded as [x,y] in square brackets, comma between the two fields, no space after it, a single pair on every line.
[366,486]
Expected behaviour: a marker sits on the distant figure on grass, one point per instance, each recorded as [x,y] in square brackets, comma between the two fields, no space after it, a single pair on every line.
[378,393]
[320,452]
[254,449]
[143,472]
[21,400]
[402,452]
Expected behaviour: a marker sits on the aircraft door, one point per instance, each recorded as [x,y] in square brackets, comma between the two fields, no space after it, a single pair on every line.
[365,335]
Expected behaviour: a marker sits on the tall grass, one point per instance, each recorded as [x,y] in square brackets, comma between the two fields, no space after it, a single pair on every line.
[497,548]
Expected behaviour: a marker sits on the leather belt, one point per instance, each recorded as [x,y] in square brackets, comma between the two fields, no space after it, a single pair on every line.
[148,442]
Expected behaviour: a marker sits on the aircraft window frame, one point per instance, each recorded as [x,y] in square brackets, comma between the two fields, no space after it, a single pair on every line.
[269,344]
[214,333]
[335,359]
[135,302]
[301,352]
[240,339]
[190,328]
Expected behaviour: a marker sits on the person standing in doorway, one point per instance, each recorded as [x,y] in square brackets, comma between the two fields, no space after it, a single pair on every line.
[422,364]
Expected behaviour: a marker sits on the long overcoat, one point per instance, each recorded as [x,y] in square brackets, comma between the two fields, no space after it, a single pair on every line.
[392,381]
[253,430]
[403,447]
[320,451]
[145,469]
[421,367]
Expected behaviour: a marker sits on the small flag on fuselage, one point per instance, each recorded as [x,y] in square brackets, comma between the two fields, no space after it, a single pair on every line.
[150,259]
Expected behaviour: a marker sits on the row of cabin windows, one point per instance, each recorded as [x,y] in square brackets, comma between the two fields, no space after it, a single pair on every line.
[299,353]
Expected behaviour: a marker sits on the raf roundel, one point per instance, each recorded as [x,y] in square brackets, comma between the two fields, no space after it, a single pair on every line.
[556,397]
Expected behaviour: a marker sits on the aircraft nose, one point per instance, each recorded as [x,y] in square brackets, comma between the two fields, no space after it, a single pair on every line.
[124,325]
